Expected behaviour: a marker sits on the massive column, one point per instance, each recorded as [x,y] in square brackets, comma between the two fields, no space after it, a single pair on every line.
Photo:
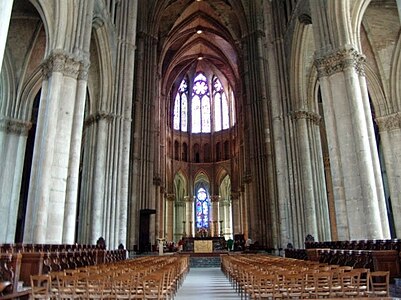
[143,130]
[358,190]
[56,142]
[390,134]
[169,198]
[215,215]
[357,184]
[313,206]
[74,157]
[51,152]
[13,136]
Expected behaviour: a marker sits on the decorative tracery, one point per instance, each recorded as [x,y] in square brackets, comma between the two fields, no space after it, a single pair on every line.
[204,110]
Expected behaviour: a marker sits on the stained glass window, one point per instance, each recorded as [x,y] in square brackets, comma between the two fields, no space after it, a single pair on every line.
[200,105]
[202,209]
[176,121]
[196,115]
[221,108]
[180,119]
[224,106]
[198,109]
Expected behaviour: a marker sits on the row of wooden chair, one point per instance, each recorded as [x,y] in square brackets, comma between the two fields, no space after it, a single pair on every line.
[143,278]
[264,277]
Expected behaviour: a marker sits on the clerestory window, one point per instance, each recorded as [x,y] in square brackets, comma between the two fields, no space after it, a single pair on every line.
[202,105]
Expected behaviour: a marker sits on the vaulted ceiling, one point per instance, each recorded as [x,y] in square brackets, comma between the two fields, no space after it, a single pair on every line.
[200,35]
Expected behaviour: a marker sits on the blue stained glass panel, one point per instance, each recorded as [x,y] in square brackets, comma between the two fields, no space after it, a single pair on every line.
[202,209]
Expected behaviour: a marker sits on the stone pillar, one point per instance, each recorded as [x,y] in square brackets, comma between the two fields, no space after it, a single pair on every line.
[390,134]
[99,177]
[214,216]
[160,210]
[306,173]
[225,216]
[74,159]
[257,139]
[13,136]
[170,198]
[358,193]
[5,16]
[179,219]
[125,82]
[236,213]
[247,214]
[50,157]
[313,207]
[188,214]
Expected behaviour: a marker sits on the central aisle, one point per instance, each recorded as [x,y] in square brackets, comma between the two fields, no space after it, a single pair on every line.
[206,284]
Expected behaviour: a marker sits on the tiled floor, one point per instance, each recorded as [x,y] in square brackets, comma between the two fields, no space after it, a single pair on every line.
[395,291]
[212,284]
[206,284]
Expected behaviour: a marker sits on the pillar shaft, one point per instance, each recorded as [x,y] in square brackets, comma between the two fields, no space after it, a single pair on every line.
[358,194]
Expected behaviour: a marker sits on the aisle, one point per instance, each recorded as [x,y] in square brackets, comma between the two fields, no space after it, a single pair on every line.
[206,284]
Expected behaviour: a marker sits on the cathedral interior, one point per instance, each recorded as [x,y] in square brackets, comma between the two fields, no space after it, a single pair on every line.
[154,120]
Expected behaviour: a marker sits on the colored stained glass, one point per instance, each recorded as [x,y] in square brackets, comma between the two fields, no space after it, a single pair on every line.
[202,209]
[200,107]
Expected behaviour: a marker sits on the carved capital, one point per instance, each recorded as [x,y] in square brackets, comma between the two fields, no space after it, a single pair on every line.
[83,70]
[389,122]
[247,178]
[225,202]
[340,60]
[235,195]
[71,67]
[188,199]
[169,197]
[67,64]
[101,115]
[301,114]
[14,126]
[179,204]
[214,198]
[157,180]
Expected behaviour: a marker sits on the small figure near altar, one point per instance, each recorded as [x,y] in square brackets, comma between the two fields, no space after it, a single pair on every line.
[230,244]
[202,232]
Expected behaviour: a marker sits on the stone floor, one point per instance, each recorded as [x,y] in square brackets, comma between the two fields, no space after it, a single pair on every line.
[395,292]
[212,284]
[206,284]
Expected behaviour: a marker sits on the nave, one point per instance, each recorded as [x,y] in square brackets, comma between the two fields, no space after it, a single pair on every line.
[206,284]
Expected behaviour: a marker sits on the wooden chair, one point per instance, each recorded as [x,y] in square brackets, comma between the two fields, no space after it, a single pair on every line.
[379,284]
[40,285]
[152,286]
[323,285]
[293,286]
[363,281]
[265,287]
[309,282]
[123,287]
[67,287]
[350,283]
[97,287]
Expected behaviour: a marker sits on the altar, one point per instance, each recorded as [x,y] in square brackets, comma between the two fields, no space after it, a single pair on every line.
[204,244]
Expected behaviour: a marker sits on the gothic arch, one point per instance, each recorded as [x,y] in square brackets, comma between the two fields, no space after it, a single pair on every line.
[8,85]
[221,174]
[379,101]
[395,78]
[180,186]
[28,94]
[102,51]
[302,70]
